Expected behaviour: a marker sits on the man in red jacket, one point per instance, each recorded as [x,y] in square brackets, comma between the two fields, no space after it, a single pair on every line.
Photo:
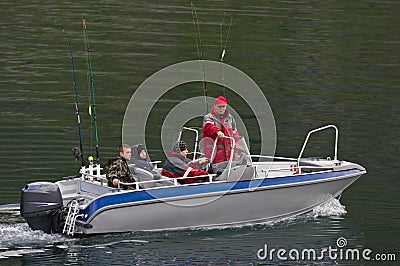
[177,165]
[217,124]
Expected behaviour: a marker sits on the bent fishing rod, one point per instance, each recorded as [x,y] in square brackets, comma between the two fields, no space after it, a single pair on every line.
[223,48]
[78,153]
[92,106]
[199,47]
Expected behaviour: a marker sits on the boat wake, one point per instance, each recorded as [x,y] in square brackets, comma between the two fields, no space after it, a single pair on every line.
[332,207]
[9,207]
[18,239]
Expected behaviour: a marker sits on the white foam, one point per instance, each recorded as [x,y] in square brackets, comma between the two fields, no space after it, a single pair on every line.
[332,207]
[18,253]
[20,234]
[10,207]
[104,245]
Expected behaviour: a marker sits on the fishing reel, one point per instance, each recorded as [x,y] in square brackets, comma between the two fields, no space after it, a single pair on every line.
[77,153]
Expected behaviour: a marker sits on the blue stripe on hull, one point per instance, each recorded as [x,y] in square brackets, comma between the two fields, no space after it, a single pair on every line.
[204,188]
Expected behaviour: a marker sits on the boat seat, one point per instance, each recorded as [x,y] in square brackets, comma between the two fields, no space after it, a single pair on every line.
[144,175]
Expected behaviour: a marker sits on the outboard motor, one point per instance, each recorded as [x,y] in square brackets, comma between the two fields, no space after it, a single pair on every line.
[41,203]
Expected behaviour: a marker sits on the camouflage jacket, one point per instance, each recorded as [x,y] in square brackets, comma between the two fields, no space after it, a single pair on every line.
[118,168]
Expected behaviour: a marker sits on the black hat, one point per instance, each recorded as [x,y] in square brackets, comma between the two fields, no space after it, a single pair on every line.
[140,148]
[179,146]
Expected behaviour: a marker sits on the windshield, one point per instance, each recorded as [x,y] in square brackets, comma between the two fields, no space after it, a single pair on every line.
[242,153]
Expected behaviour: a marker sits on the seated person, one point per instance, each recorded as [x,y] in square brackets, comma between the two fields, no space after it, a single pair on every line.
[177,165]
[117,170]
[141,161]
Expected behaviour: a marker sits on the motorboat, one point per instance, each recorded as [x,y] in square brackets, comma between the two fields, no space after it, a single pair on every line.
[247,189]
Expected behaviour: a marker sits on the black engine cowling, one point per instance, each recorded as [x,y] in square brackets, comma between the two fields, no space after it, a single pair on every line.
[41,205]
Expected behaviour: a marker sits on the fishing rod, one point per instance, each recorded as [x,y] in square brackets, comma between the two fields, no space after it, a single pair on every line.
[92,106]
[223,48]
[78,153]
[199,46]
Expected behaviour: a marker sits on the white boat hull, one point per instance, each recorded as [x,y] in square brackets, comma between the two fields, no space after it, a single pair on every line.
[246,202]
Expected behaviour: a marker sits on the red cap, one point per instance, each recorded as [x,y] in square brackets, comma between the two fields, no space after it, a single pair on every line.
[220,101]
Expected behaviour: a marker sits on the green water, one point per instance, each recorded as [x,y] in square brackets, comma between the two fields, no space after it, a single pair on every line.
[317,63]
